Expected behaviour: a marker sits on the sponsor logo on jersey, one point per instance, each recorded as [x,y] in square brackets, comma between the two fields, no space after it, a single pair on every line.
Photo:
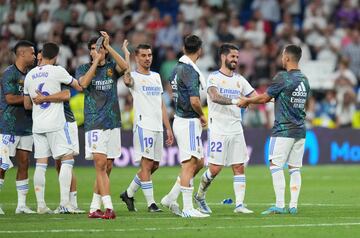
[109,72]
[300,91]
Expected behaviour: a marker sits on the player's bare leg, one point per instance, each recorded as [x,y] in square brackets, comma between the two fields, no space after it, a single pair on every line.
[103,183]
[22,181]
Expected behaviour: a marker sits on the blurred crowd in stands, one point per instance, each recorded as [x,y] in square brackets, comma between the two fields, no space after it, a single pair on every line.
[327,30]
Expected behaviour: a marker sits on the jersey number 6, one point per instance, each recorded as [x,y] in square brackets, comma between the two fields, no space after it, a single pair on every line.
[43,105]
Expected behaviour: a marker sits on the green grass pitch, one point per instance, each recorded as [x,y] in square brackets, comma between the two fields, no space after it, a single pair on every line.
[329,207]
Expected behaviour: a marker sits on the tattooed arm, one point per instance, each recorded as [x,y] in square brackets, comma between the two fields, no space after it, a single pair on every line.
[216,97]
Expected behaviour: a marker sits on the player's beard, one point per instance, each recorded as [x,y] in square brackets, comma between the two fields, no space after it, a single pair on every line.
[146,65]
[229,65]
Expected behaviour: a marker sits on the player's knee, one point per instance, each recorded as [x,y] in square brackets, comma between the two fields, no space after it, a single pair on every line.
[154,167]
[200,164]
[214,171]
[58,165]
[109,166]
[238,168]
[2,173]
[100,165]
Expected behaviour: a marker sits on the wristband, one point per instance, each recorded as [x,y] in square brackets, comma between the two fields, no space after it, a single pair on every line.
[234,101]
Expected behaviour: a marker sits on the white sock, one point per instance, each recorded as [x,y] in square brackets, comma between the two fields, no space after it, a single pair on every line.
[22,187]
[175,191]
[73,199]
[239,189]
[187,198]
[133,187]
[1,184]
[205,182]
[279,185]
[148,191]
[39,184]
[107,202]
[65,176]
[95,202]
[295,185]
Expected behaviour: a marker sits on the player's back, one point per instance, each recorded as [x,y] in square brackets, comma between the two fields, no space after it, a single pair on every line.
[47,80]
[290,104]
[185,84]
[147,92]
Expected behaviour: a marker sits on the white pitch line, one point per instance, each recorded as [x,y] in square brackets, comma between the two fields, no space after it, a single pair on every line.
[212,204]
[178,228]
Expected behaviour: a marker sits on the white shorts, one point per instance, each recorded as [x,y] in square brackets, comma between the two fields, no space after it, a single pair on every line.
[8,146]
[148,144]
[187,132]
[73,131]
[55,144]
[106,142]
[286,150]
[227,149]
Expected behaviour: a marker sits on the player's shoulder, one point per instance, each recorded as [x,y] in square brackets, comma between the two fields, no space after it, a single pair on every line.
[215,73]
[281,75]
[239,76]
[186,67]
[155,74]
[10,68]
[84,66]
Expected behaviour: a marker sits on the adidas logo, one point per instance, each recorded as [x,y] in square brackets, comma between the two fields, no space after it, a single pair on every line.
[300,91]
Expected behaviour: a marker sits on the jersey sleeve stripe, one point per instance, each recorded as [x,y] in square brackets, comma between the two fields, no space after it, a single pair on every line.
[72,79]
[249,93]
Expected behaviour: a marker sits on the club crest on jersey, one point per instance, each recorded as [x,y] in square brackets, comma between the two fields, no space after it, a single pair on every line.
[109,72]
[94,147]
[147,150]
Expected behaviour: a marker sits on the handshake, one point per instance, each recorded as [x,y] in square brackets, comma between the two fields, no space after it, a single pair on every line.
[240,102]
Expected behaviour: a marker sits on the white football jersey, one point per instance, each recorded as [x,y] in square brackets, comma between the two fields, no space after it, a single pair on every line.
[47,79]
[147,97]
[226,119]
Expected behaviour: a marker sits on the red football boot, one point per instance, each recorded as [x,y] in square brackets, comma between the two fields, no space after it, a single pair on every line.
[97,214]
[109,214]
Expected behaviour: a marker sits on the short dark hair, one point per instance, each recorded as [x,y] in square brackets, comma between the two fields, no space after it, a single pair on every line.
[22,43]
[192,44]
[226,48]
[50,50]
[92,41]
[142,47]
[295,51]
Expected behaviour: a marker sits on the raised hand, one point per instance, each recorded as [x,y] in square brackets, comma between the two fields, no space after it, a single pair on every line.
[106,38]
[124,47]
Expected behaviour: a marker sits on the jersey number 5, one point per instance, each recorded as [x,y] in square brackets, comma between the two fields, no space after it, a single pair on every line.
[43,105]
